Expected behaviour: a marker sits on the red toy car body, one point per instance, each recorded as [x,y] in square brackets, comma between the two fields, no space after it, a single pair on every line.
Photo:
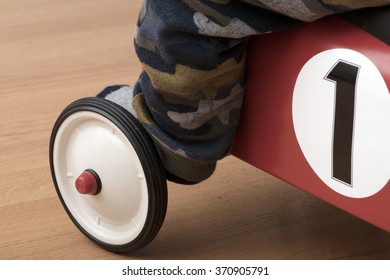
[317,111]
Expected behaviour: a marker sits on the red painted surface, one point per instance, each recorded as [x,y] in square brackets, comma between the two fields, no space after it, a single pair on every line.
[266,137]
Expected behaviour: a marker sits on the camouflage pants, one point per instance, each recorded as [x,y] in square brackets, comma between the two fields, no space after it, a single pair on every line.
[189,93]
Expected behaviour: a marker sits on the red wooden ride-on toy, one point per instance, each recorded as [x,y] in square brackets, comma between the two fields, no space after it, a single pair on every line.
[316,114]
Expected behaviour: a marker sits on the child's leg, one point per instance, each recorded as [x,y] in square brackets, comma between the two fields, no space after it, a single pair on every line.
[190,92]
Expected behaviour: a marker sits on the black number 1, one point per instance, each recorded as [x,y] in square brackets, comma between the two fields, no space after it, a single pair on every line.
[344,75]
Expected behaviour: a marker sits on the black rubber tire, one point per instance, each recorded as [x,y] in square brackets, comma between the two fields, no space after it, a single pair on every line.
[148,156]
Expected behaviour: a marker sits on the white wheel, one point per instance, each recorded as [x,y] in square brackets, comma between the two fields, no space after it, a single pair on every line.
[108,175]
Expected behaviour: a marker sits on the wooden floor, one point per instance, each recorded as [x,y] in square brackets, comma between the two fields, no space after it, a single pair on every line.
[53,52]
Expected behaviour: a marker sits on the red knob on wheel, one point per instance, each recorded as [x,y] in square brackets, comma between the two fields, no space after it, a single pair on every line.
[87,183]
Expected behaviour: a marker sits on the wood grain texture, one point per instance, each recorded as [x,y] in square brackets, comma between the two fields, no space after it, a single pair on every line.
[53,52]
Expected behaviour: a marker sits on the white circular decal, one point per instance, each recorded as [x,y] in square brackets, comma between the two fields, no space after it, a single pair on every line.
[341,115]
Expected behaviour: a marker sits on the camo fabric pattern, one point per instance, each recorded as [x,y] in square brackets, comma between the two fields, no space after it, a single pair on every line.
[190,91]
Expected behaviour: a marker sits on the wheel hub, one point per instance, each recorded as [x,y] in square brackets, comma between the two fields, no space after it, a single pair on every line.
[88,183]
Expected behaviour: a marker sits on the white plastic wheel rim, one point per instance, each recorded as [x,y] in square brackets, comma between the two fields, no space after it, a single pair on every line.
[87,140]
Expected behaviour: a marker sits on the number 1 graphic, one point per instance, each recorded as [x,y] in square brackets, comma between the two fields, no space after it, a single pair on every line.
[344,75]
